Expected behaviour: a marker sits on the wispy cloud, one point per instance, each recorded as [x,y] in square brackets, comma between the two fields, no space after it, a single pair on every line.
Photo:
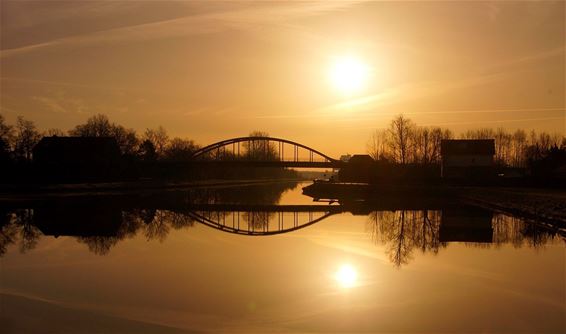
[407,92]
[250,17]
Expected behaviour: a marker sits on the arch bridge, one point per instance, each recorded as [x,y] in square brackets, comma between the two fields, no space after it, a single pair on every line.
[263,152]
[258,220]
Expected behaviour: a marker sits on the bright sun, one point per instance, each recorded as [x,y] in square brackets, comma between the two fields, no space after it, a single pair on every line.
[346,276]
[349,75]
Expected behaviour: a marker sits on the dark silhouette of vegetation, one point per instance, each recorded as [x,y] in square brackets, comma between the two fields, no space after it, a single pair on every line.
[403,151]
[153,154]
[403,142]
[406,152]
[406,232]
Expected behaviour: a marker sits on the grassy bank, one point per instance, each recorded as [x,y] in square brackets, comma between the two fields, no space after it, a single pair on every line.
[541,204]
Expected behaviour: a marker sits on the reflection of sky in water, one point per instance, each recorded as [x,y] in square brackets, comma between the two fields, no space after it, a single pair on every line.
[336,275]
[346,276]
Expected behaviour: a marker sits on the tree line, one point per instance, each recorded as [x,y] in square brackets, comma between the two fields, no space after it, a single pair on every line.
[154,144]
[404,142]
[17,141]
[152,154]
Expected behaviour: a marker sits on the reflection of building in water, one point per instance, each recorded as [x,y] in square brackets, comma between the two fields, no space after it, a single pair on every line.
[466,225]
[78,221]
[466,158]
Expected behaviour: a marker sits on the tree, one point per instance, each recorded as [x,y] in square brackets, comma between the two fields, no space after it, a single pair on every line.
[401,130]
[100,126]
[519,148]
[26,138]
[159,138]
[6,139]
[54,133]
[127,139]
[377,145]
[6,132]
[147,151]
[96,126]
[260,149]
[180,149]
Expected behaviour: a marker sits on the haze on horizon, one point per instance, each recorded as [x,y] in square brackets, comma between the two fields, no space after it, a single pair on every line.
[215,70]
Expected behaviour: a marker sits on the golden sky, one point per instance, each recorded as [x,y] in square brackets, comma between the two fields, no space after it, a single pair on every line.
[216,70]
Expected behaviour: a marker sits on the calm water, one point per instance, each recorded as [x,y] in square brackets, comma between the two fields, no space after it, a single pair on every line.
[267,258]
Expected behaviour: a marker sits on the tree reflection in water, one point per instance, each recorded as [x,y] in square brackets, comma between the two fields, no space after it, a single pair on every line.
[18,226]
[403,232]
[257,220]
[153,224]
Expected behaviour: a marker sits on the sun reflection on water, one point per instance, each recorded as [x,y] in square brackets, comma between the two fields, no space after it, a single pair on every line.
[346,276]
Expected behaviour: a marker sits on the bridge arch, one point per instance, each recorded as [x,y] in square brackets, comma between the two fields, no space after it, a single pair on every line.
[249,230]
[235,143]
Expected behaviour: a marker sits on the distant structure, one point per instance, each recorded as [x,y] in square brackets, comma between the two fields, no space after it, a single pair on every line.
[466,225]
[77,157]
[467,158]
[357,169]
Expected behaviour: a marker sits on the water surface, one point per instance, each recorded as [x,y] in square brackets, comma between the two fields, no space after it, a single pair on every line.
[266,258]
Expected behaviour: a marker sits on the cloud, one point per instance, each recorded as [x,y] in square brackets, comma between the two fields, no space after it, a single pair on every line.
[247,18]
[407,92]
[60,103]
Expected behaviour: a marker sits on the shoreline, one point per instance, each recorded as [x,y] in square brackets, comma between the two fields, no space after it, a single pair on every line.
[19,192]
[545,205]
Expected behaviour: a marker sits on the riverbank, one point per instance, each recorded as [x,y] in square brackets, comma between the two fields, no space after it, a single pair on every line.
[547,205]
[540,204]
[35,191]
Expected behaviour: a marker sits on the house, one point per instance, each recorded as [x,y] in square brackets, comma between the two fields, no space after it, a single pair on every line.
[358,169]
[77,157]
[467,158]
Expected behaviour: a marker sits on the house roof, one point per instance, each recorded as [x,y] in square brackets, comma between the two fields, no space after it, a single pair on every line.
[361,159]
[467,146]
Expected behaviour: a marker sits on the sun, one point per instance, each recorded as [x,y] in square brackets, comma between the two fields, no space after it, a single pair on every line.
[346,276]
[349,74]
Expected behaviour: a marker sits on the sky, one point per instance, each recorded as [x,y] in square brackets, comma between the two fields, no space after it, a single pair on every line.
[215,70]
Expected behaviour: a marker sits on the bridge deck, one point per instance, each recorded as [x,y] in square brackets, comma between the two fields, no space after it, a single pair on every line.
[249,163]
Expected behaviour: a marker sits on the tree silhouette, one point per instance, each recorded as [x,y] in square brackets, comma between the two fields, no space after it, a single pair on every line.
[26,137]
[100,126]
[180,149]
[147,151]
[260,149]
[159,138]
[6,133]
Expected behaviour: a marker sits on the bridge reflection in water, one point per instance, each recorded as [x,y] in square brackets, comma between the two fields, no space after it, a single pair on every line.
[261,219]
[101,225]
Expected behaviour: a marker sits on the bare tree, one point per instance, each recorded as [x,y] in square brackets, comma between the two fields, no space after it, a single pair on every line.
[260,149]
[127,139]
[377,145]
[96,126]
[100,126]
[519,146]
[6,132]
[158,137]
[26,137]
[401,130]
[180,149]
[53,132]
